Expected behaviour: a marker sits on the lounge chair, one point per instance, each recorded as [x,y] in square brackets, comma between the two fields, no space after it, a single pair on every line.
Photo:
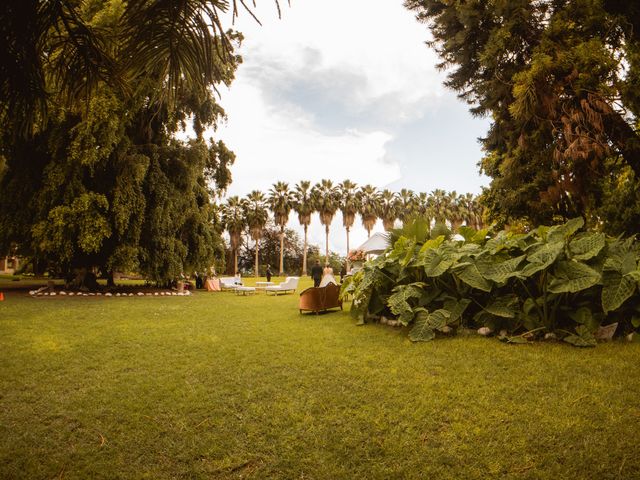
[319,299]
[230,283]
[288,286]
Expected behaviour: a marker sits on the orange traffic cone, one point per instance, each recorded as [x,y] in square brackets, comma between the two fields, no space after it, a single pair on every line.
[1,297]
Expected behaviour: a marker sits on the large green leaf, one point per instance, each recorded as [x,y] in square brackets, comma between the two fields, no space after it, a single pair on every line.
[498,270]
[586,245]
[616,289]
[541,257]
[582,338]
[399,249]
[559,233]
[435,263]
[505,306]
[426,324]
[456,308]
[472,277]
[398,302]
[467,233]
[431,244]
[497,243]
[570,276]
[584,316]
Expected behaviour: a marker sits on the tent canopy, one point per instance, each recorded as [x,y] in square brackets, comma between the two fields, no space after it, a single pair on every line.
[376,244]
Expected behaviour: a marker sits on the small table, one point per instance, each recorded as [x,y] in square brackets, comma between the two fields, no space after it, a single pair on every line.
[245,290]
[263,285]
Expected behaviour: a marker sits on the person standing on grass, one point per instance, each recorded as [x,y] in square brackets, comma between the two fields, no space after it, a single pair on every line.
[316,273]
[268,273]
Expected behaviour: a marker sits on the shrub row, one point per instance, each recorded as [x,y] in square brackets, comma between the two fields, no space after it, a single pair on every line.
[558,279]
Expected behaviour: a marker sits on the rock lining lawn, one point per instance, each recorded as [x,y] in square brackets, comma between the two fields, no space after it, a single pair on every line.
[221,386]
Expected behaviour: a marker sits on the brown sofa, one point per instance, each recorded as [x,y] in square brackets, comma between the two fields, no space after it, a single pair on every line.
[318,299]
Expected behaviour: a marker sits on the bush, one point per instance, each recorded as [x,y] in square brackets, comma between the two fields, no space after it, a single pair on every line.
[556,279]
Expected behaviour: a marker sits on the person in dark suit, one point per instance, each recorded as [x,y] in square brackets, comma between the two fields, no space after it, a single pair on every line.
[268,273]
[316,273]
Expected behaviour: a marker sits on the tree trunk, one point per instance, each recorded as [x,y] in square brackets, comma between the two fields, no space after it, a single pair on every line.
[257,250]
[281,251]
[110,281]
[326,256]
[235,263]
[347,249]
[304,253]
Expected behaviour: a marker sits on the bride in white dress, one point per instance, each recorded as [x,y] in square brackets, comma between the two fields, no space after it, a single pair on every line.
[327,277]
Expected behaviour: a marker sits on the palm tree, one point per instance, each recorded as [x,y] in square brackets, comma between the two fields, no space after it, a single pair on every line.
[326,199]
[368,200]
[455,214]
[439,205]
[476,211]
[348,207]
[235,222]
[303,205]
[388,211]
[257,216]
[280,202]
[406,205]
[465,204]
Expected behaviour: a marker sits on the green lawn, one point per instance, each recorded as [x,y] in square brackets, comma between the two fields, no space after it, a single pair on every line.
[220,386]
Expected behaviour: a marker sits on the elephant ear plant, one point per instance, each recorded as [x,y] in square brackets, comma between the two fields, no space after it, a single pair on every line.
[558,279]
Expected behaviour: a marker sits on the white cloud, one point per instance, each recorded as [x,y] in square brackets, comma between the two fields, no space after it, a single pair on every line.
[323,92]
[272,146]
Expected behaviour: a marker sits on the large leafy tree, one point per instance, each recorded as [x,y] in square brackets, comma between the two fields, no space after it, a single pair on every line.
[54,47]
[280,203]
[303,204]
[561,82]
[105,183]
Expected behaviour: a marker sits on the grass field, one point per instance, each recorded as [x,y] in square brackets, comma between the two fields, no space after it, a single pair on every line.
[220,386]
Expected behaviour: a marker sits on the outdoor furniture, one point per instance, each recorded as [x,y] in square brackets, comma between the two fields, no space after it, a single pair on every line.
[240,290]
[317,299]
[263,285]
[212,284]
[230,283]
[288,286]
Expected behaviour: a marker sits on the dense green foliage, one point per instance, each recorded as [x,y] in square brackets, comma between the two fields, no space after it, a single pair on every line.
[107,185]
[560,81]
[71,48]
[556,280]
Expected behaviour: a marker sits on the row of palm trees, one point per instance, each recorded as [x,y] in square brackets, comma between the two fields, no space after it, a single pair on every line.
[252,212]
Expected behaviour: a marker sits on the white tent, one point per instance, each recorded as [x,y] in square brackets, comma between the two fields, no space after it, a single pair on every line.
[375,245]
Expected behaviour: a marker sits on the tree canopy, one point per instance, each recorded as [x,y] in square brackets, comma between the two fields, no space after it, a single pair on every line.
[105,182]
[561,83]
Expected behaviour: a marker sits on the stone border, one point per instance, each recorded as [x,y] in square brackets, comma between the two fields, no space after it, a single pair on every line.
[38,293]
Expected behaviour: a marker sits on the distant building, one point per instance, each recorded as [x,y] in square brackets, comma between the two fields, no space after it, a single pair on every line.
[9,265]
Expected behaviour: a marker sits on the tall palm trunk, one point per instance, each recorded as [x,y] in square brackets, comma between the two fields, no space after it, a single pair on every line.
[257,250]
[282,251]
[304,253]
[347,267]
[235,263]
[326,257]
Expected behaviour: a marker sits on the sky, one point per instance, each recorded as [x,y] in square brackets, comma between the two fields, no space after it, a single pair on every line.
[345,90]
